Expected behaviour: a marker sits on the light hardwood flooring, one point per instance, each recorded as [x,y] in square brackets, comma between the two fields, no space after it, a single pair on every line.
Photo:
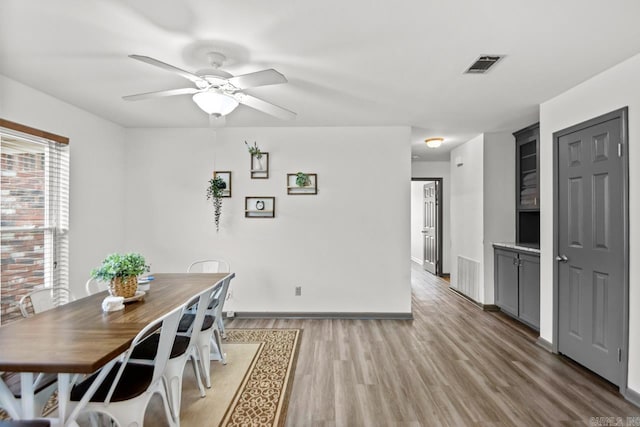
[452,365]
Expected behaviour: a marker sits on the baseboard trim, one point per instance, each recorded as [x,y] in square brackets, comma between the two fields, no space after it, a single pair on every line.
[321,315]
[417,260]
[632,396]
[545,344]
[484,307]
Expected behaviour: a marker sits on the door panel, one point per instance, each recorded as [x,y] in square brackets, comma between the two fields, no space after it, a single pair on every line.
[429,229]
[590,234]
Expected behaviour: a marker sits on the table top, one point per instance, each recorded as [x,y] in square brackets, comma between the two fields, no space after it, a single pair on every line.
[79,337]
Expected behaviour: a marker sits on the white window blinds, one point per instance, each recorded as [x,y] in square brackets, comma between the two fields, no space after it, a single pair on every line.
[34,218]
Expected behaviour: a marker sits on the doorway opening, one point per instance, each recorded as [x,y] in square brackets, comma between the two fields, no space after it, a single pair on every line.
[427,224]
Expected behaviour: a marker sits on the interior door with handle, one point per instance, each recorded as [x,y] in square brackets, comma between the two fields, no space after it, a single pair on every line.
[429,229]
[591,255]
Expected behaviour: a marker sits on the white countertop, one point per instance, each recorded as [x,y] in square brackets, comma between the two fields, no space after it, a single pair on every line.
[518,246]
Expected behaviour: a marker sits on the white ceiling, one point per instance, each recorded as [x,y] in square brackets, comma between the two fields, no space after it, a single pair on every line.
[349,63]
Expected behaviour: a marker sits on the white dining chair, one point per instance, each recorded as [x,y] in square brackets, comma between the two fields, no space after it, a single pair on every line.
[208,338]
[43,299]
[93,286]
[213,266]
[44,385]
[209,266]
[184,349]
[125,392]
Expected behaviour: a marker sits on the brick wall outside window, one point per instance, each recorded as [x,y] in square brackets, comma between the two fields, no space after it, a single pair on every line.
[22,203]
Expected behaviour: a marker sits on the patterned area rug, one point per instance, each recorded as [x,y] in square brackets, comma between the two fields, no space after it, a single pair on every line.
[263,396]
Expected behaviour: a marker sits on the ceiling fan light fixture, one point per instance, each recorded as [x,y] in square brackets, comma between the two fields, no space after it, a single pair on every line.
[215,103]
[434,142]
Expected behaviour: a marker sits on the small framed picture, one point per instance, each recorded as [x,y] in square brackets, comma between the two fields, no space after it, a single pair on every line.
[226,177]
[259,207]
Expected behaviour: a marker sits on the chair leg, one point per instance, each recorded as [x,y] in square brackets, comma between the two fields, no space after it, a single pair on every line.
[204,356]
[196,370]
[221,327]
[216,345]
[173,381]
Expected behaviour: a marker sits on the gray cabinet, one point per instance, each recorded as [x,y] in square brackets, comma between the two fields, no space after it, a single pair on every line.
[517,284]
[528,185]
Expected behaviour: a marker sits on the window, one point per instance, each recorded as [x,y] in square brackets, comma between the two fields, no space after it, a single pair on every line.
[34,214]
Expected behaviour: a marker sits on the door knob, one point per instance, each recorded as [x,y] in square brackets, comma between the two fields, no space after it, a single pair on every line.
[562,258]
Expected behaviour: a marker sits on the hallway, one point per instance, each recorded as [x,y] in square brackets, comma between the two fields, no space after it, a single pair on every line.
[452,365]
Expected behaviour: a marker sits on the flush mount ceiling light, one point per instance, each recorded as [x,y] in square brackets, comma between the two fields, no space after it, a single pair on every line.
[434,142]
[214,102]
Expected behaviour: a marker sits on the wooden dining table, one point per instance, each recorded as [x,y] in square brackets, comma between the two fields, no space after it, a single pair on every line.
[79,338]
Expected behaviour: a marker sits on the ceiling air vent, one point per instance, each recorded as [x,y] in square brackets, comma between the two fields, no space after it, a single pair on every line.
[483,64]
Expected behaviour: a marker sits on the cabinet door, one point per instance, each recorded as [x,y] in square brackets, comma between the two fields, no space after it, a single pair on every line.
[506,280]
[527,172]
[529,289]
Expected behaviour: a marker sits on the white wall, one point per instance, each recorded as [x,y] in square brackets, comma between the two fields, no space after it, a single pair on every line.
[615,88]
[417,241]
[499,200]
[96,177]
[467,195]
[347,246]
[439,170]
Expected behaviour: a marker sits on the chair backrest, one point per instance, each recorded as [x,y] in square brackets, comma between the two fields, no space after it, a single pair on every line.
[203,303]
[220,294]
[93,286]
[209,266]
[44,299]
[168,325]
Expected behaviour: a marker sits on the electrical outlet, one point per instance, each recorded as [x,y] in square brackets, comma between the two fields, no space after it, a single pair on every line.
[231,314]
[298,291]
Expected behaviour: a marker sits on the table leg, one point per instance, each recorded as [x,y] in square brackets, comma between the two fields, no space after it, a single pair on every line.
[64,391]
[27,398]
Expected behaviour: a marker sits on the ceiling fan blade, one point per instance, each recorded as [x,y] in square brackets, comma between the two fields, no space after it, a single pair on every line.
[161,94]
[187,75]
[264,106]
[217,121]
[259,78]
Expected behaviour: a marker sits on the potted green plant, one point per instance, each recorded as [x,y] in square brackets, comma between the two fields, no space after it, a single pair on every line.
[121,271]
[215,191]
[302,179]
[254,150]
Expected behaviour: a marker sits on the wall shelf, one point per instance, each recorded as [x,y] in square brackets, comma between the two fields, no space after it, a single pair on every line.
[226,177]
[258,172]
[294,189]
[259,207]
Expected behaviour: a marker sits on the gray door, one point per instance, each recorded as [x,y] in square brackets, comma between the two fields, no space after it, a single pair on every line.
[591,247]
[429,229]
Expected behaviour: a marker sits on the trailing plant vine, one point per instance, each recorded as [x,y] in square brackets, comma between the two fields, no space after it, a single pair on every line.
[214,192]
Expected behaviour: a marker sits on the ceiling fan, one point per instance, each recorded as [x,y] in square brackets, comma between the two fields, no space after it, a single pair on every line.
[218,92]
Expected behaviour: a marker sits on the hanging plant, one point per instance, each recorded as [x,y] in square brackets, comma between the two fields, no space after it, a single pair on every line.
[214,192]
[254,150]
[302,179]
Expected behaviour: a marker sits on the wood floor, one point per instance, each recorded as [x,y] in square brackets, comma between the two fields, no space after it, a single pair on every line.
[452,365]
